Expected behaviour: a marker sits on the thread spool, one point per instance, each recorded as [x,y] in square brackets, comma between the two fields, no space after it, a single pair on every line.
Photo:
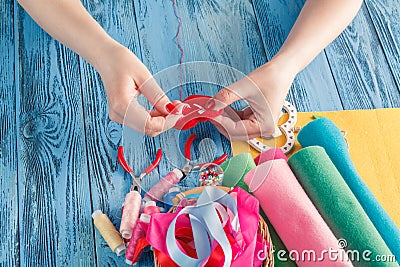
[150,207]
[108,232]
[163,186]
[130,214]
[138,233]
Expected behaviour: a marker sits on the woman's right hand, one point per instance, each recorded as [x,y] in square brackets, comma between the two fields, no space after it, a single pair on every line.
[125,77]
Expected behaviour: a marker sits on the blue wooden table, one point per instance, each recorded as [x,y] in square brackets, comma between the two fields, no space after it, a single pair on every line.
[58,159]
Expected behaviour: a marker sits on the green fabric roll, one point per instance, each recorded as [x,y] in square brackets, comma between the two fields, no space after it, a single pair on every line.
[337,205]
[235,169]
[278,245]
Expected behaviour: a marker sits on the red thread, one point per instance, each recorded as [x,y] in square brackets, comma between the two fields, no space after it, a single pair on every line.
[180,48]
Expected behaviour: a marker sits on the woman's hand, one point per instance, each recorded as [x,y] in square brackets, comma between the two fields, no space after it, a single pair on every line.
[319,22]
[265,90]
[123,74]
[125,77]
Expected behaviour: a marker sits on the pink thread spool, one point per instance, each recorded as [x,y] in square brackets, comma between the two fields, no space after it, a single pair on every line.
[130,214]
[138,233]
[151,208]
[163,186]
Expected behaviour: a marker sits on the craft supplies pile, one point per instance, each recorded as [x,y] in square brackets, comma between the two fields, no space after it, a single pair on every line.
[312,209]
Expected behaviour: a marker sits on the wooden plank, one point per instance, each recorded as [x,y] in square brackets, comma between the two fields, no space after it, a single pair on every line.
[9,245]
[54,199]
[385,16]
[109,183]
[362,74]
[314,88]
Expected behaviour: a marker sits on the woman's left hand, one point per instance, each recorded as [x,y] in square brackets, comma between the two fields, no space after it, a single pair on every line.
[265,90]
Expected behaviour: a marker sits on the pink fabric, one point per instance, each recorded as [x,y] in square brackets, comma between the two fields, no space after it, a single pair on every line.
[270,154]
[249,217]
[292,213]
[248,213]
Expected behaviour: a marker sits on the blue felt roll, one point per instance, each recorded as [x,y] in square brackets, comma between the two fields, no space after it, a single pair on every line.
[323,132]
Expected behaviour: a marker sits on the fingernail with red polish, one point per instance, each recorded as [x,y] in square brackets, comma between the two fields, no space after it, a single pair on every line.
[170,107]
[210,104]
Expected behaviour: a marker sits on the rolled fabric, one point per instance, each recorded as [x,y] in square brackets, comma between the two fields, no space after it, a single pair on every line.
[278,245]
[235,169]
[338,205]
[293,215]
[323,132]
[272,153]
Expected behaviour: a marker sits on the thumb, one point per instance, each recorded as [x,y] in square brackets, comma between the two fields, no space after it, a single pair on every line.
[222,99]
[228,95]
[156,96]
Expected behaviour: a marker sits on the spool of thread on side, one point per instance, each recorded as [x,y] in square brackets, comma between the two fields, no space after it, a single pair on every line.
[108,232]
[130,214]
[162,187]
[138,233]
[151,207]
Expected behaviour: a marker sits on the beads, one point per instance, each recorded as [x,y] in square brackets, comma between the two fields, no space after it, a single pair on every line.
[211,174]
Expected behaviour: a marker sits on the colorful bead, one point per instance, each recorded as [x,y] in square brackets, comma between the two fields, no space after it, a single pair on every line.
[211,174]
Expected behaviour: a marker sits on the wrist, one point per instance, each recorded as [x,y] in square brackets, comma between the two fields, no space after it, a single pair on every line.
[100,57]
[287,61]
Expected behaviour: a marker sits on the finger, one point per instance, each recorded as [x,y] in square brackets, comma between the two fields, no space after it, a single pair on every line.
[230,94]
[156,96]
[221,130]
[237,115]
[238,130]
[246,113]
[156,113]
[139,119]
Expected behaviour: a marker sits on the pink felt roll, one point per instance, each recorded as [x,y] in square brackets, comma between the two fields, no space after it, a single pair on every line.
[270,154]
[294,217]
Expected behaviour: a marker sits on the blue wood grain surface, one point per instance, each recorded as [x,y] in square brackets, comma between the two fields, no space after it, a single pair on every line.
[360,67]
[9,231]
[385,16]
[108,182]
[53,185]
[314,88]
[58,148]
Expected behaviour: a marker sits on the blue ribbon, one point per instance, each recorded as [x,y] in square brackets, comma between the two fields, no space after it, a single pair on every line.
[206,228]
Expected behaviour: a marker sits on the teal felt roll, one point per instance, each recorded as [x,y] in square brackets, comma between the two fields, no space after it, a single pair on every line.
[235,169]
[338,206]
[323,132]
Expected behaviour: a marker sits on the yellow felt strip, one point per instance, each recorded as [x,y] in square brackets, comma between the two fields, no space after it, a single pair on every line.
[374,142]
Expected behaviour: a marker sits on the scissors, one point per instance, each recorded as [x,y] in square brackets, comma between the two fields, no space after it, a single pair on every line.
[287,128]
[187,168]
[177,175]
[136,181]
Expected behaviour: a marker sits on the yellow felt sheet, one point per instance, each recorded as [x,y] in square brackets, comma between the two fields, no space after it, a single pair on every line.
[374,143]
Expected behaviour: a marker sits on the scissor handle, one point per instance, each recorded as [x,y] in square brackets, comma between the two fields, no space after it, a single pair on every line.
[122,160]
[188,145]
[155,163]
[218,161]
[221,159]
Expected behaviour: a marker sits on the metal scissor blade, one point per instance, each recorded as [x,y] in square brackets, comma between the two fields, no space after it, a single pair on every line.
[135,183]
